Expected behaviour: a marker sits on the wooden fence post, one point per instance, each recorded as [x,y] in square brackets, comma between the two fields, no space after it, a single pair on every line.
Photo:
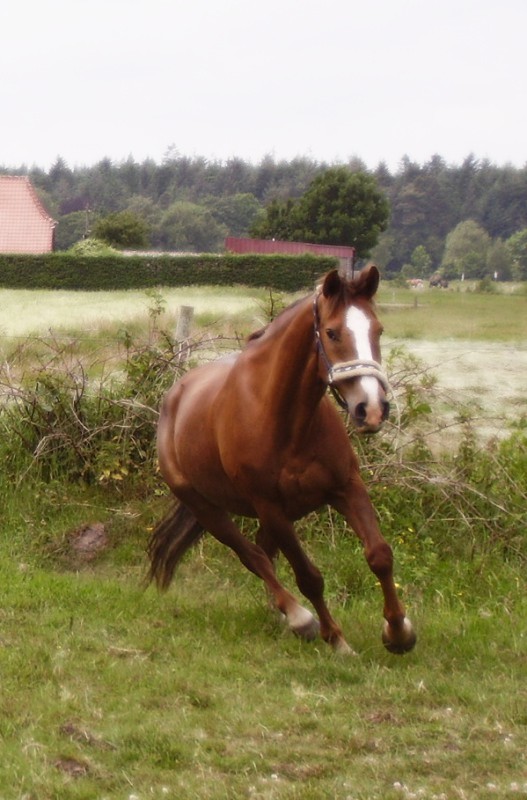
[183,329]
[184,323]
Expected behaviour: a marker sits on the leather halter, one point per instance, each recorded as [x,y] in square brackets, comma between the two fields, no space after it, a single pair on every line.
[341,371]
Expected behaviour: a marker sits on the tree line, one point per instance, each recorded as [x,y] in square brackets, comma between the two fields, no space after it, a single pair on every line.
[468,219]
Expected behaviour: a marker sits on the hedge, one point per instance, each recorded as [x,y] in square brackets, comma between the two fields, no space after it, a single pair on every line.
[66,271]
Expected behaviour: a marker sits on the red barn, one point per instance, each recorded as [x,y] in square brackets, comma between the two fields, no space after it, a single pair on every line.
[25,227]
[346,255]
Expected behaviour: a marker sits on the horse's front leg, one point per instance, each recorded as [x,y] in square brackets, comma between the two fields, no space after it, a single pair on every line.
[398,635]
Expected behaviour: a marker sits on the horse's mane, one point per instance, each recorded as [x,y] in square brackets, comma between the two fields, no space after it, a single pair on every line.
[261,331]
[347,291]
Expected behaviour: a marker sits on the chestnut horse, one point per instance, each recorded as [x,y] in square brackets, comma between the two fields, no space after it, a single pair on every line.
[256,435]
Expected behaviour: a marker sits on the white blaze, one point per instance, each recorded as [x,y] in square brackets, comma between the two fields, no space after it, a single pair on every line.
[359,326]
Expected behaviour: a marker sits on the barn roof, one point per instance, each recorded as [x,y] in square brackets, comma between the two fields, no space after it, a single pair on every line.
[25,227]
[265,246]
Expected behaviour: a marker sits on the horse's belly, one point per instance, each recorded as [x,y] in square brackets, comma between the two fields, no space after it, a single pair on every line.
[202,452]
[217,488]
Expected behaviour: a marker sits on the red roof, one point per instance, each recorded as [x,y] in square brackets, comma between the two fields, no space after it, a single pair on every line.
[265,246]
[25,227]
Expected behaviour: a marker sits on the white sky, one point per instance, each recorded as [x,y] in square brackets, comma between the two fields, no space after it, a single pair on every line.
[376,79]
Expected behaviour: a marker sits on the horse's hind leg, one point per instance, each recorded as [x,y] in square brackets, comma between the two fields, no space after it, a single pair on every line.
[308,577]
[267,543]
[258,560]
[299,619]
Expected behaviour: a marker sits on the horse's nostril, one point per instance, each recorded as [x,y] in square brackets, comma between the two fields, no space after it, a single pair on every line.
[360,412]
[385,410]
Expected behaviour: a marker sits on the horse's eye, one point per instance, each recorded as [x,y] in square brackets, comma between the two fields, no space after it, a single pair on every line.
[331,334]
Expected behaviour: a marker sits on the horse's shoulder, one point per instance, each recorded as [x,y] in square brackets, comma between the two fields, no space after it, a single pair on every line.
[204,378]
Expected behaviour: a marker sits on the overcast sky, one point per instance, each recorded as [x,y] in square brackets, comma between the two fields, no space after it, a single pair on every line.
[331,80]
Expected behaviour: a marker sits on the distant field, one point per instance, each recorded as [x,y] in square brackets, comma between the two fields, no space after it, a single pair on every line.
[429,314]
[24,312]
[476,344]
[443,315]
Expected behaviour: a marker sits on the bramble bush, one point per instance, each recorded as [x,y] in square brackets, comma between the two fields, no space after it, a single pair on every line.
[64,418]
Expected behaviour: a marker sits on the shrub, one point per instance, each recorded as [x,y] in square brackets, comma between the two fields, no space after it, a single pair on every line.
[61,423]
[112,271]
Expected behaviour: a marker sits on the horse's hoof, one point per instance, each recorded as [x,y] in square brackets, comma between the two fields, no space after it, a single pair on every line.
[309,631]
[342,648]
[304,624]
[401,641]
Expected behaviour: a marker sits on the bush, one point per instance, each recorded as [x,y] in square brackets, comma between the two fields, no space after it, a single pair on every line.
[60,423]
[112,271]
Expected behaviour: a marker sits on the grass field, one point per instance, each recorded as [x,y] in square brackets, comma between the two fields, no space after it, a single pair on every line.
[430,314]
[110,691]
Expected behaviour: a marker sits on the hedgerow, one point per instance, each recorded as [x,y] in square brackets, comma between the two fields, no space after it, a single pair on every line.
[108,272]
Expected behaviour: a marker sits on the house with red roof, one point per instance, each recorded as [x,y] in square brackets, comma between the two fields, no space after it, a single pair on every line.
[25,226]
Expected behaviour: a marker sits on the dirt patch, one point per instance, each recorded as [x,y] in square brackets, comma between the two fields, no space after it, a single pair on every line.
[72,767]
[487,378]
[88,541]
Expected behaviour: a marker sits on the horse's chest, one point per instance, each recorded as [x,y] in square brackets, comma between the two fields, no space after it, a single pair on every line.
[303,487]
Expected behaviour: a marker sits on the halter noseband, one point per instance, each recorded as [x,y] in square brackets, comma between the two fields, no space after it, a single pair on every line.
[356,368]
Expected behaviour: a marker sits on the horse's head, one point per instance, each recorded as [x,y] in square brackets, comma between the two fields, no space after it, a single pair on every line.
[348,336]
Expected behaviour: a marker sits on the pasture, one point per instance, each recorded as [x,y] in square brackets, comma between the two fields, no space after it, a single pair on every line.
[111,691]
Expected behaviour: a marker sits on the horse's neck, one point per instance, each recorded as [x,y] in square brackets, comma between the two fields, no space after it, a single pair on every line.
[290,383]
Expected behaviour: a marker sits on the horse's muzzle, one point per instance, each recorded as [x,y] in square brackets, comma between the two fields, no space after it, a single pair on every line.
[368,419]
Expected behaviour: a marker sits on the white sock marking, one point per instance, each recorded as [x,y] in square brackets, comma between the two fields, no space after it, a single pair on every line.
[300,617]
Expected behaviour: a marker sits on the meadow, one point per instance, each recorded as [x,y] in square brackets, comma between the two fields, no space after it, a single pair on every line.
[431,315]
[110,690]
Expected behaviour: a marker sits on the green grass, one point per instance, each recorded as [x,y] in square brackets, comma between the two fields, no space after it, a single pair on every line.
[435,314]
[24,312]
[109,691]
[428,314]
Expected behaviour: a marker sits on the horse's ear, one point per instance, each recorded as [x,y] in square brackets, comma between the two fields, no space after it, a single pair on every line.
[332,284]
[368,281]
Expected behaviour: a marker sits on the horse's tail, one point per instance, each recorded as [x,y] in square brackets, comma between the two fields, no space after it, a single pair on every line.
[170,540]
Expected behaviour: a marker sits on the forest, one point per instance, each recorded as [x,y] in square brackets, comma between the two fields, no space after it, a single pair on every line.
[468,219]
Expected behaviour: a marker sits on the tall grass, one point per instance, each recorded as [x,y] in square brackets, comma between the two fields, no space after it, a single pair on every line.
[24,312]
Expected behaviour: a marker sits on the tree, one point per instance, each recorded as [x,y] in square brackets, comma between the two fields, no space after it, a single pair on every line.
[187,226]
[72,228]
[517,247]
[421,262]
[466,251]
[278,222]
[499,261]
[384,253]
[237,212]
[339,207]
[122,229]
